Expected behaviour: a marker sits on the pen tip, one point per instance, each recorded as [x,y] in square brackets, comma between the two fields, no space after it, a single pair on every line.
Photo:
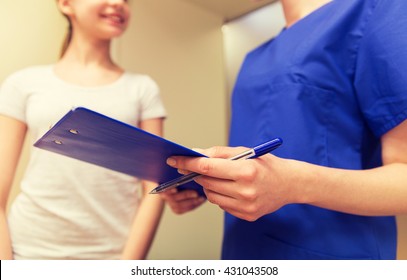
[153,192]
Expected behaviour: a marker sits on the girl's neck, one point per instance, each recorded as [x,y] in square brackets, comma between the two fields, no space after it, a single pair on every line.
[88,63]
[88,53]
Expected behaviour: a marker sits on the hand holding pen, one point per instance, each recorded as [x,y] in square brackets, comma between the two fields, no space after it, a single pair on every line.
[255,152]
[244,188]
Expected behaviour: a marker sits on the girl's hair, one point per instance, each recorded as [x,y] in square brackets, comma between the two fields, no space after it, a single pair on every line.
[67,39]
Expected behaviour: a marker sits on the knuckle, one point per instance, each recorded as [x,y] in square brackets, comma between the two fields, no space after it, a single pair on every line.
[175,209]
[210,199]
[249,173]
[196,203]
[214,151]
[251,212]
[251,218]
[249,195]
[204,166]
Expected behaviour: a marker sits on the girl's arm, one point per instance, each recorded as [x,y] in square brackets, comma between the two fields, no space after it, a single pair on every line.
[149,213]
[12,134]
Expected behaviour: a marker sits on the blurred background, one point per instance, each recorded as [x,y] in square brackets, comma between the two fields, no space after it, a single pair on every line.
[193,49]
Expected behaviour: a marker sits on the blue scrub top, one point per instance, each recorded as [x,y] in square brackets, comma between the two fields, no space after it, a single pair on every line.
[330,85]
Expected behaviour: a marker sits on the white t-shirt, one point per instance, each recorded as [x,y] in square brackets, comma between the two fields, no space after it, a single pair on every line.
[68,209]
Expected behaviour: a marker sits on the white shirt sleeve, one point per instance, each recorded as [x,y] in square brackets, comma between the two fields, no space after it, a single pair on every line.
[13,98]
[151,103]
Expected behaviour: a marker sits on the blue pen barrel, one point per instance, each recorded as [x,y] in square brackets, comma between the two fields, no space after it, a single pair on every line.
[267,147]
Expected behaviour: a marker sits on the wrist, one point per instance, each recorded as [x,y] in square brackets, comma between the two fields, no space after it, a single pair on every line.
[306,181]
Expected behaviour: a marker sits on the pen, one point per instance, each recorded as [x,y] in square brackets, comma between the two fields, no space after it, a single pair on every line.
[255,152]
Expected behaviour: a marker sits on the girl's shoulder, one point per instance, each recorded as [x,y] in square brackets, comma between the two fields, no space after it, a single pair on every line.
[134,76]
[30,73]
[139,80]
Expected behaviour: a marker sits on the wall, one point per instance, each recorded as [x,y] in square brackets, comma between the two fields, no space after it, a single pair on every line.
[180,46]
[402,237]
[31,33]
[246,33]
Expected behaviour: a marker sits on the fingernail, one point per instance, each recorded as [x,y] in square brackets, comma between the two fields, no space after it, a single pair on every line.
[171,162]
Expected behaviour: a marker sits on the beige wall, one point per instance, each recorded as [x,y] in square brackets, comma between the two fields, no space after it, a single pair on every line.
[31,33]
[402,237]
[180,46]
[246,33]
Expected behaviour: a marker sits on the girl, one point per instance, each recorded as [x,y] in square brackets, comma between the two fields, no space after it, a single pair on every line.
[69,209]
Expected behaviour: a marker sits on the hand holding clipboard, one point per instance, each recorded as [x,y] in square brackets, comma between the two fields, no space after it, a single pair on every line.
[255,152]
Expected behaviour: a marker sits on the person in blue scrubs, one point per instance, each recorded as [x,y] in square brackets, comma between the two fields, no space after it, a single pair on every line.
[333,86]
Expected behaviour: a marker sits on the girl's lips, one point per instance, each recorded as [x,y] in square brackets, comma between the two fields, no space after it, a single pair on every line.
[116,18]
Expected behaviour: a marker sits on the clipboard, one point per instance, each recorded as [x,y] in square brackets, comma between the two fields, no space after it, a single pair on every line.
[92,137]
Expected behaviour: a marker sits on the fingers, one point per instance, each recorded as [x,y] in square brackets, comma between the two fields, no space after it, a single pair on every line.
[223,187]
[239,187]
[182,202]
[233,206]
